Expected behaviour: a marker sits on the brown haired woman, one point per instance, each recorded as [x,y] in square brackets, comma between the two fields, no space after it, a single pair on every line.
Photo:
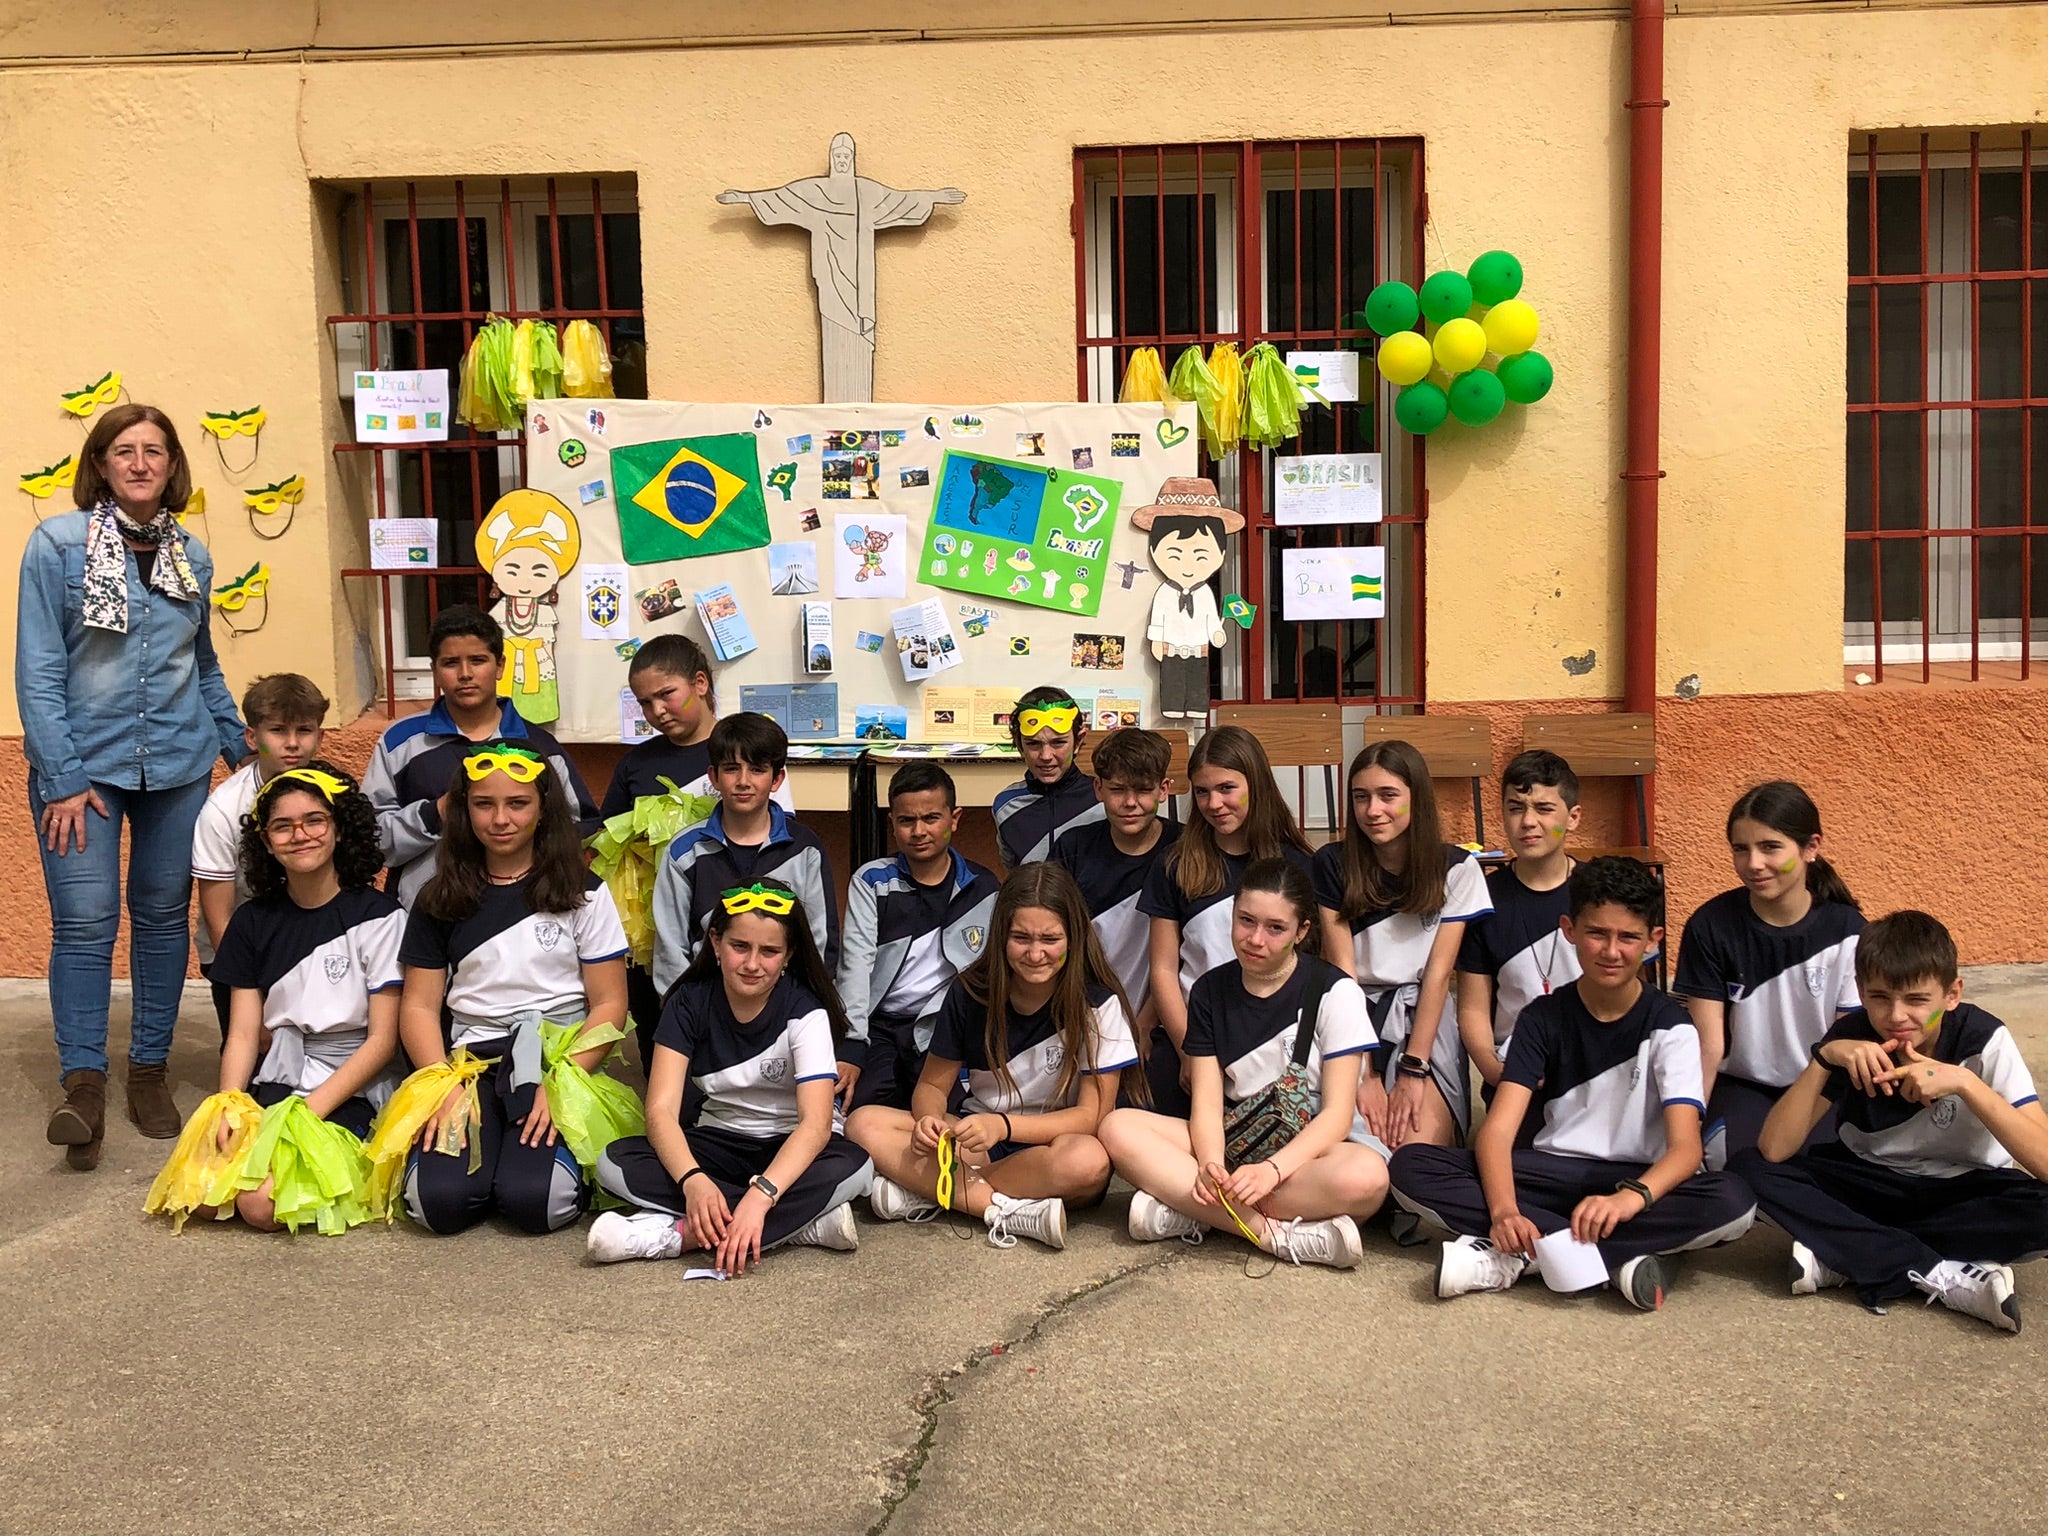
[1041,1028]
[123,710]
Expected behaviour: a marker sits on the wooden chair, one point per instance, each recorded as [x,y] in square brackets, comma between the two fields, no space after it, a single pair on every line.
[1176,763]
[1454,746]
[1301,737]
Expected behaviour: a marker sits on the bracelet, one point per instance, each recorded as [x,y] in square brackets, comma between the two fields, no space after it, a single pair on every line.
[768,1191]
[1274,1164]
[1638,1188]
[1008,1134]
[689,1176]
[1411,1066]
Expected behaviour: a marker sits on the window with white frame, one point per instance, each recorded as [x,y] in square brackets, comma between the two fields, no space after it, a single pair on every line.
[1946,560]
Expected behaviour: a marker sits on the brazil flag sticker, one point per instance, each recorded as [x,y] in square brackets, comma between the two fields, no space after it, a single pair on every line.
[688,497]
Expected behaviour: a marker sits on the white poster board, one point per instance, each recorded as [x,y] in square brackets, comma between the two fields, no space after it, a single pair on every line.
[402,407]
[1060,461]
[1327,488]
[1333,583]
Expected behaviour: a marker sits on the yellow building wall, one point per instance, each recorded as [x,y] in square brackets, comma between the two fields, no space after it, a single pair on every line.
[162,217]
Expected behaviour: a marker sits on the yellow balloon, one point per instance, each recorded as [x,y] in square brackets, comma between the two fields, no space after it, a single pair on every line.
[1404,357]
[1510,327]
[1460,345]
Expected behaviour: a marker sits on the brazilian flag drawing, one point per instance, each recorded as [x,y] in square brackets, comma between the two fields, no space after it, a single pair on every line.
[688,497]
[1365,588]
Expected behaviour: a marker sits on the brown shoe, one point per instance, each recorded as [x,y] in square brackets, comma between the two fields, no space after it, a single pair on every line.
[80,1122]
[149,1101]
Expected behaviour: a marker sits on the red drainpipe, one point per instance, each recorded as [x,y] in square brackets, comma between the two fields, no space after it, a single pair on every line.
[1645,107]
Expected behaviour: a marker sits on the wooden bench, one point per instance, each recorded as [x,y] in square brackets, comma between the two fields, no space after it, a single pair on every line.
[1300,737]
[1454,746]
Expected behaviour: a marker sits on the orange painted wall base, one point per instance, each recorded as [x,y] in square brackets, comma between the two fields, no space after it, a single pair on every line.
[1923,790]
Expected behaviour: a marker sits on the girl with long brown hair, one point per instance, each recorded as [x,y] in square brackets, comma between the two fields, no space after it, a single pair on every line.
[1239,819]
[1395,900]
[1042,1029]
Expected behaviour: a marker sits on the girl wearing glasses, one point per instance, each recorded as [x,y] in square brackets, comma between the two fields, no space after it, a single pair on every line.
[523,946]
[311,964]
[1054,793]
[754,1026]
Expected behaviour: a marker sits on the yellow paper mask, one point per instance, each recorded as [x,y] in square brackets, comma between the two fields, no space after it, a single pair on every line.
[227,424]
[288,492]
[44,482]
[104,390]
[252,583]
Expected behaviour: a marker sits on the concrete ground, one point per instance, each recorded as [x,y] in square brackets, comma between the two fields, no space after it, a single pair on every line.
[222,1381]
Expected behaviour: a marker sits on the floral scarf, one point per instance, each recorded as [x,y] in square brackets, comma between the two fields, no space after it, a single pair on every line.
[106,564]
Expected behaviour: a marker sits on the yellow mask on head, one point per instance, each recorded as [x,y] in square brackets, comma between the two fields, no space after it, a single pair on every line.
[516,763]
[331,789]
[749,898]
[1059,716]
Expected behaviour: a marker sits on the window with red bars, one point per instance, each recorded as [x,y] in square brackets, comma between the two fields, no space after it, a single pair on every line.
[1191,245]
[425,265]
[1946,564]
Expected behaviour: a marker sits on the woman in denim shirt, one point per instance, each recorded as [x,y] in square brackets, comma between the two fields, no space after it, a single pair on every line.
[123,710]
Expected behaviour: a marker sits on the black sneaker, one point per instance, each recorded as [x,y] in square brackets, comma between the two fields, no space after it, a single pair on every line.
[1642,1282]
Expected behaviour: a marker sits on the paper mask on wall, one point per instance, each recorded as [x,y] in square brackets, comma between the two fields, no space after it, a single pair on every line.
[1188,529]
[269,500]
[528,542]
[252,586]
[104,390]
[195,505]
[689,497]
[223,426]
[45,482]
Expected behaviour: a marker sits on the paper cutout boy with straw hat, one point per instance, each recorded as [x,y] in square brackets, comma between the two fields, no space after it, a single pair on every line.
[1186,527]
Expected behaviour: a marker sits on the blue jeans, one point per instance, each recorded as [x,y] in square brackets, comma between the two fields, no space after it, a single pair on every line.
[85,914]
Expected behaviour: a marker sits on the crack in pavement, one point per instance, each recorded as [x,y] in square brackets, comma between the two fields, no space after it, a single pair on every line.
[901,1473]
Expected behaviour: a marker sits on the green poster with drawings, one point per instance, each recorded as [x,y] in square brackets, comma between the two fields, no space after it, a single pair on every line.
[1028,533]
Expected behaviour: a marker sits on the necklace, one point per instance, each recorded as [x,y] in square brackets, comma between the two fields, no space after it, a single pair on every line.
[515,879]
[1556,937]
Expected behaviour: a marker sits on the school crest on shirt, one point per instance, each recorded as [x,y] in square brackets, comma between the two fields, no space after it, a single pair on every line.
[1635,1075]
[1816,976]
[547,933]
[1429,921]
[1736,990]
[774,1069]
[1054,1054]
[974,933]
[1943,1114]
[336,967]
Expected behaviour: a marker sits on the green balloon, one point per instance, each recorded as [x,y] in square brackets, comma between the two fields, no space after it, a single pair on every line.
[1392,307]
[1421,408]
[1446,296]
[1477,397]
[1496,277]
[1526,377]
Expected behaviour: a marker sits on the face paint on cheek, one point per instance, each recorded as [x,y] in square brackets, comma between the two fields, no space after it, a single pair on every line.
[1558,833]
[1934,1020]
[1789,865]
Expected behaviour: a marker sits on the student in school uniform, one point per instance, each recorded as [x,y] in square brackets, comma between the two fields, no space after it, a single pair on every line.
[1395,900]
[417,760]
[1274,1012]
[1936,1184]
[1054,793]
[1518,952]
[283,712]
[310,961]
[1239,819]
[1041,1033]
[748,837]
[754,1026]
[914,921]
[1110,861]
[1612,1069]
[1767,969]
[513,934]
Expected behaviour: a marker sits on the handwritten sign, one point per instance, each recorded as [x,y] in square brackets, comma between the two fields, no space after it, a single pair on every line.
[1327,488]
[402,543]
[402,407]
[1333,583]
[1325,377]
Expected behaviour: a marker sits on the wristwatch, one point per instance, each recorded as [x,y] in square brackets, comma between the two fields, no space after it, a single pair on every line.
[1637,1187]
[1411,1066]
[768,1191]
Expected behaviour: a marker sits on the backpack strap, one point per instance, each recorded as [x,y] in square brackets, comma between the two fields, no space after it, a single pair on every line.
[1313,991]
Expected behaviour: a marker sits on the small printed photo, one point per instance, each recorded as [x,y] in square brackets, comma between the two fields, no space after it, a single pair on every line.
[1020,645]
[853,441]
[892,437]
[969,426]
[793,569]
[1098,653]
[942,717]
[1030,445]
[868,641]
[881,722]
[852,476]
[1084,458]
[911,478]
[660,601]
[723,606]
[811,523]
[801,443]
[1123,445]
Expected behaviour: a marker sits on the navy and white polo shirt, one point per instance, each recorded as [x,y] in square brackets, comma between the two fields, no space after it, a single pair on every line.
[506,959]
[748,1072]
[316,968]
[1520,948]
[1111,882]
[1031,814]
[1036,1052]
[1605,1086]
[1783,987]
[1204,921]
[1943,1139]
[1253,1037]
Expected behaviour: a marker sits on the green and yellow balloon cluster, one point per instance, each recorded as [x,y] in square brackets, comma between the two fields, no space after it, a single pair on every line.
[1442,371]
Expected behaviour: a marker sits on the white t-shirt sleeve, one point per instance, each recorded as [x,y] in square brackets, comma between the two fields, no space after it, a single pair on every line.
[1675,1066]
[1114,1048]
[1466,896]
[2002,1067]
[599,933]
[1846,995]
[1343,1022]
[216,839]
[811,1051]
[377,944]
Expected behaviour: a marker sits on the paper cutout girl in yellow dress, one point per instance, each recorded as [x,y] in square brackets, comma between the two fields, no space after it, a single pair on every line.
[527,542]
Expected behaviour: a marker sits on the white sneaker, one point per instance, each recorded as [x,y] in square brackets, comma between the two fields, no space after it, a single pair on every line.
[834,1229]
[619,1235]
[1977,1290]
[1154,1221]
[1333,1242]
[1809,1275]
[1643,1282]
[890,1201]
[1043,1221]
[1469,1264]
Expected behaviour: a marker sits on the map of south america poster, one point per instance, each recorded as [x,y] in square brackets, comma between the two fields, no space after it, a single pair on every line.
[1024,532]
